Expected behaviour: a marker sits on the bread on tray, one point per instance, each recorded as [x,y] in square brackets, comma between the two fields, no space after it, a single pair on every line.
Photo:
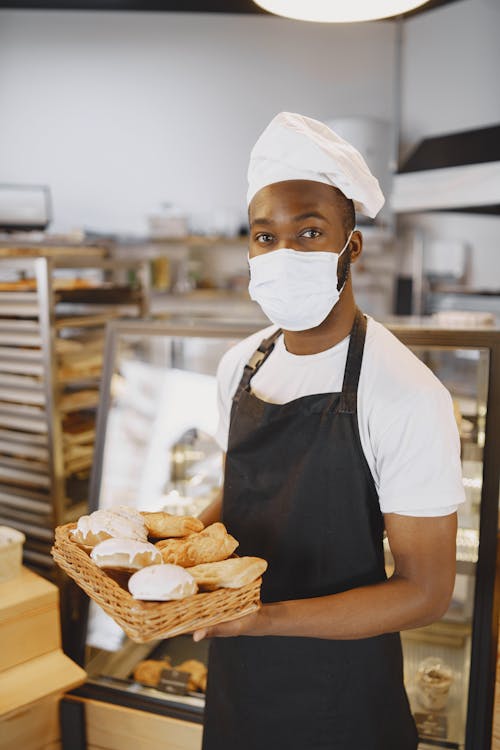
[148,672]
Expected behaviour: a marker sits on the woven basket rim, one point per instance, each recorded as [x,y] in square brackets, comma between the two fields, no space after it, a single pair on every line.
[138,604]
[146,620]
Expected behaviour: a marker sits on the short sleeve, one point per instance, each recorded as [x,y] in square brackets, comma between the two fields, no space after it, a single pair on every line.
[224,401]
[418,456]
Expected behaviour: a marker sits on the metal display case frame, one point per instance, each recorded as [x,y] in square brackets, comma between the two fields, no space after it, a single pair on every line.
[486,593]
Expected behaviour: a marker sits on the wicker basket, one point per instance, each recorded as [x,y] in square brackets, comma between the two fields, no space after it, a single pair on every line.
[147,621]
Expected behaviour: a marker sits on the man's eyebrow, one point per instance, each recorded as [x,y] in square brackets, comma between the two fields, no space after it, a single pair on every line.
[258,220]
[300,217]
[310,215]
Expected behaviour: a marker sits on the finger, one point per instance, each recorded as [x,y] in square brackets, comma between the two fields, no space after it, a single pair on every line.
[199,635]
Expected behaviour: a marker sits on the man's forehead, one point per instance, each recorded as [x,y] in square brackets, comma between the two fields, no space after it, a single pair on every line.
[295,198]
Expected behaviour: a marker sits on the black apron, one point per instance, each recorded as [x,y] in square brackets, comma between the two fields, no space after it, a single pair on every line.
[299,493]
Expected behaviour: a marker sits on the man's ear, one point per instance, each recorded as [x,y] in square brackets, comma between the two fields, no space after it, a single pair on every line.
[356,245]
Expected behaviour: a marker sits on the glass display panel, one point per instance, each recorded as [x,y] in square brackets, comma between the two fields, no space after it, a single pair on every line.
[159,453]
[437,657]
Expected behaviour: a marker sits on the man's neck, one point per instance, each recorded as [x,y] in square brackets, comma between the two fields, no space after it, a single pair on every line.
[336,326]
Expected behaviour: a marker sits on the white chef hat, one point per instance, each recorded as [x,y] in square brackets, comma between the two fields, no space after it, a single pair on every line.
[294,147]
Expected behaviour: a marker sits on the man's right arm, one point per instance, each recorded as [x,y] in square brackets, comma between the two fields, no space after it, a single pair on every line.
[213,512]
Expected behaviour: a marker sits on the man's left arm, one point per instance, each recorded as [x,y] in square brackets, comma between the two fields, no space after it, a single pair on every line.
[417,593]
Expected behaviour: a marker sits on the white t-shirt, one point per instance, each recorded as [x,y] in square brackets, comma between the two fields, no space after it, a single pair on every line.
[406,422]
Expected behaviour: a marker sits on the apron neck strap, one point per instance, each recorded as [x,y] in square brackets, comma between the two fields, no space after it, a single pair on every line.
[349,398]
[256,361]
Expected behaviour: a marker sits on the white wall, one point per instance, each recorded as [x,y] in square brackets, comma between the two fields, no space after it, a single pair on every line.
[450,82]
[118,112]
[451,65]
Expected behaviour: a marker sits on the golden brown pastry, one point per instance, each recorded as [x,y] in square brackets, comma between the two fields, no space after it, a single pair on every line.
[148,672]
[197,673]
[228,574]
[162,525]
[210,545]
[203,683]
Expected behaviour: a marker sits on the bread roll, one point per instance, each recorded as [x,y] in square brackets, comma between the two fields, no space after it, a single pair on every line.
[125,554]
[131,514]
[105,524]
[162,583]
[197,674]
[228,574]
[163,525]
[210,545]
[148,672]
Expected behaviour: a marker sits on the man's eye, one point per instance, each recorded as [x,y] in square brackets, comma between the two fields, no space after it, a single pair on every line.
[264,238]
[310,234]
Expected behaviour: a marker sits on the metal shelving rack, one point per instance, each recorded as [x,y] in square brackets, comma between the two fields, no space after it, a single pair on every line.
[51,348]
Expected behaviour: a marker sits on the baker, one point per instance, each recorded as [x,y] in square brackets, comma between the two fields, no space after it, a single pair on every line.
[334,432]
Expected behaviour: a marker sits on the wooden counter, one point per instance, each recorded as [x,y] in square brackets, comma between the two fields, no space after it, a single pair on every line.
[112,727]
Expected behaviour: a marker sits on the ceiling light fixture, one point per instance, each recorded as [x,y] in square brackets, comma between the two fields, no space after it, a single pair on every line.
[338,11]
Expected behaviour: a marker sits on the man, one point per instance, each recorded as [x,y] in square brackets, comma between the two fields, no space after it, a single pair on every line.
[334,431]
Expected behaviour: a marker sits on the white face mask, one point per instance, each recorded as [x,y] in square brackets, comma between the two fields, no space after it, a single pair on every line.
[296,289]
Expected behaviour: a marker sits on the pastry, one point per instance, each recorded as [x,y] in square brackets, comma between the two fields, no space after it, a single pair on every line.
[228,574]
[162,525]
[131,514]
[125,554]
[197,674]
[162,583]
[148,672]
[433,681]
[104,524]
[210,545]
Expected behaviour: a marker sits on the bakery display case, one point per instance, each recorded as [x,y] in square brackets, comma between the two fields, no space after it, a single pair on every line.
[155,450]
[449,666]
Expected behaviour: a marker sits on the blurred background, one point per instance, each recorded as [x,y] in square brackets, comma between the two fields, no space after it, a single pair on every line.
[125,134]
[140,124]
